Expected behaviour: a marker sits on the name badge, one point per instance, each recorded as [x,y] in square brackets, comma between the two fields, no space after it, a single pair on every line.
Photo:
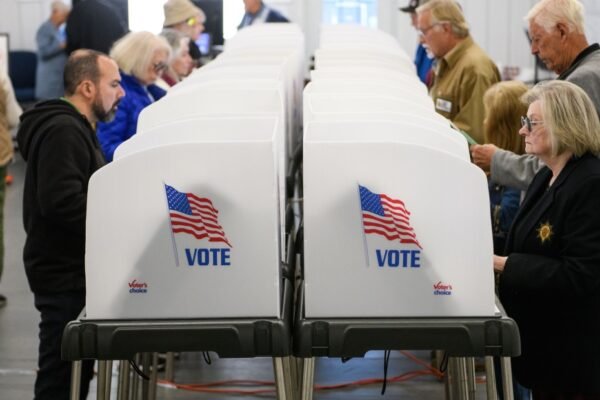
[443,105]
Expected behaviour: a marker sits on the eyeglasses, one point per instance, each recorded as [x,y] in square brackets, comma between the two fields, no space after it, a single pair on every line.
[160,66]
[192,21]
[423,32]
[529,124]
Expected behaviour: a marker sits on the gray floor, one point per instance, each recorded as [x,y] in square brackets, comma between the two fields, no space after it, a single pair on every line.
[18,344]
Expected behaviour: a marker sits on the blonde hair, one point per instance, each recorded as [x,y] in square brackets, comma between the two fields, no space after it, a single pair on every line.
[134,52]
[569,117]
[548,13]
[447,11]
[503,110]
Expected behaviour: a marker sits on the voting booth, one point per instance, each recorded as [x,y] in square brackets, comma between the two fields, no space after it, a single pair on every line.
[205,183]
[194,221]
[379,165]
[379,224]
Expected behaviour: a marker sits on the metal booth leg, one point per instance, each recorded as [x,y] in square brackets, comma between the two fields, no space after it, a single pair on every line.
[507,382]
[135,380]
[123,383]
[458,386]
[471,380]
[153,377]
[101,384]
[308,378]
[490,379]
[170,367]
[146,369]
[283,378]
[75,379]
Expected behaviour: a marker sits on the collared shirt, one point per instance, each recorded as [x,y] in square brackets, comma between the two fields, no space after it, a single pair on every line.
[462,77]
[250,18]
[580,57]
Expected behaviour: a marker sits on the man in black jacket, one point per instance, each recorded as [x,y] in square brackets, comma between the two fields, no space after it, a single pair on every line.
[57,138]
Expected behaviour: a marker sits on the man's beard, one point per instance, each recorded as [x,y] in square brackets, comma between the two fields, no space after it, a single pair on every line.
[101,114]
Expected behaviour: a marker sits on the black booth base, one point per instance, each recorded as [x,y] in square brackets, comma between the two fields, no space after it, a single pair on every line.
[229,338]
[459,337]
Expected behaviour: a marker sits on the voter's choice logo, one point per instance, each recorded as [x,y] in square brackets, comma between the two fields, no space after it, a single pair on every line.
[136,287]
[442,289]
[194,216]
[389,218]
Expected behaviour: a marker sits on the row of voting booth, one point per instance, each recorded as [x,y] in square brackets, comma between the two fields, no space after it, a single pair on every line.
[401,212]
[190,245]
[204,183]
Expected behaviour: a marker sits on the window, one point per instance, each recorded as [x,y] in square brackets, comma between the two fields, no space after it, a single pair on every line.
[362,12]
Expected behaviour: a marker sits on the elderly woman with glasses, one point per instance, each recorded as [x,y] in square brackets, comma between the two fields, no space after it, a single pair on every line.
[550,279]
[142,57]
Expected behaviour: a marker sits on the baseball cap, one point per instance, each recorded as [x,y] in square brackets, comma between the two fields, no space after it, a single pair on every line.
[410,7]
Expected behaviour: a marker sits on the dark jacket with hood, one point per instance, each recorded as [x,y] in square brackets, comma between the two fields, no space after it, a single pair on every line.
[62,153]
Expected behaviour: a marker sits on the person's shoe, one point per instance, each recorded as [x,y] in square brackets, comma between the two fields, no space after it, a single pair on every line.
[2,300]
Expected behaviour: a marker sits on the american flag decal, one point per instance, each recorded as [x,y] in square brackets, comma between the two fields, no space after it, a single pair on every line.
[194,216]
[387,217]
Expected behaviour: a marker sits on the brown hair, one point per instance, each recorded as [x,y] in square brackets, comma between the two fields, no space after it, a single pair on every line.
[503,111]
[81,65]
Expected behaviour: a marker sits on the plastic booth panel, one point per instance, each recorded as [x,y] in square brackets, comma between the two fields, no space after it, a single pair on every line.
[347,103]
[397,55]
[206,129]
[230,72]
[368,74]
[401,131]
[188,104]
[381,234]
[185,231]
[399,90]
[405,66]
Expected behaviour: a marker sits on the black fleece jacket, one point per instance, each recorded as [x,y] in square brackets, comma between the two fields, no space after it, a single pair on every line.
[62,153]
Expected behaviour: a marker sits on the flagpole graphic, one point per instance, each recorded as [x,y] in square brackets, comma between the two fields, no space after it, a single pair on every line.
[363,226]
[171,224]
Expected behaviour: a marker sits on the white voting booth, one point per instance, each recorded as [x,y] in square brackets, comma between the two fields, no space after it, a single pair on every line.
[400,223]
[196,230]
[368,90]
[193,222]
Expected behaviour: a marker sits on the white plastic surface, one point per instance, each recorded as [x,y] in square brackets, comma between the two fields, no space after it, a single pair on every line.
[136,267]
[450,274]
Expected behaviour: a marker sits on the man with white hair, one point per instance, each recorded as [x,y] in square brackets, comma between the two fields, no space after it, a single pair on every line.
[51,43]
[464,71]
[556,29]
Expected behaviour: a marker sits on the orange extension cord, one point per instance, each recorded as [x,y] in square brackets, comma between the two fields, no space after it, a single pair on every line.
[213,387]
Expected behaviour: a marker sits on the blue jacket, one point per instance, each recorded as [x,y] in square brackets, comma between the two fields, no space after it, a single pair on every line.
[271,16]
[423,64]
[124,126]
[51,62]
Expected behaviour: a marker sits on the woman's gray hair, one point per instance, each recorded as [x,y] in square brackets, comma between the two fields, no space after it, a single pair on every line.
[548,13]
[174,37]
[134,52]
[569,116]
